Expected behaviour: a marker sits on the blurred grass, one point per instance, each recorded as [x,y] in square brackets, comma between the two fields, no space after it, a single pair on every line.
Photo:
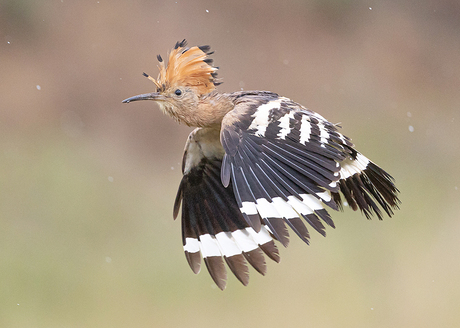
[87,184]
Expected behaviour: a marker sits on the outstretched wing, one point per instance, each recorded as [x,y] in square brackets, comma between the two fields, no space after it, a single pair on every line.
[287,163]
[213,226]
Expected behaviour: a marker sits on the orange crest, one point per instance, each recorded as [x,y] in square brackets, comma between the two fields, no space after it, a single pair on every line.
[188,67]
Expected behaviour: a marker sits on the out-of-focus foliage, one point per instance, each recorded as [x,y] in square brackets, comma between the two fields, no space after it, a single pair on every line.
[87,183]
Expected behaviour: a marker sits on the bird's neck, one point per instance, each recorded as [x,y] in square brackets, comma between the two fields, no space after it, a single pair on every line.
[210,111]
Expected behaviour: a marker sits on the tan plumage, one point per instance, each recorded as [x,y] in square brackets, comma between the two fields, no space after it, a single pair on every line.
[256,164]
[187,82]
[186,67]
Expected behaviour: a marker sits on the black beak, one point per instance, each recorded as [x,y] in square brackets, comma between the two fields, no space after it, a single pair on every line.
[146,96]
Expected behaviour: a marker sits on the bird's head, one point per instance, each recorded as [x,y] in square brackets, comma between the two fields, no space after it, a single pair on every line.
[181,83]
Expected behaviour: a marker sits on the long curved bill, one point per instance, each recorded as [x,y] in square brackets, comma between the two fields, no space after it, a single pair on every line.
[146,96]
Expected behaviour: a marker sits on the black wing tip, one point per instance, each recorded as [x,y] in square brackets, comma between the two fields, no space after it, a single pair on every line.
[278,229]
[368,188]
[271,251]
[299,228]
[194,261]
[379,176]
[216,269]
[315,223]
[238,266]
[257,260]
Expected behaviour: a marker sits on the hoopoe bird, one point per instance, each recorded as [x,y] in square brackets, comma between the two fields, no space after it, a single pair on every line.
[256,163]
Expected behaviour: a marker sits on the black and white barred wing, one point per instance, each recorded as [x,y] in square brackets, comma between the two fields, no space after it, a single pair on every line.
[287,164]
[213,226]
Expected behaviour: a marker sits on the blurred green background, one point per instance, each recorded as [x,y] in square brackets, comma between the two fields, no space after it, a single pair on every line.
[87,183]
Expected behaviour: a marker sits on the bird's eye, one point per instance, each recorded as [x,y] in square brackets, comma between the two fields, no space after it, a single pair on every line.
[178,92]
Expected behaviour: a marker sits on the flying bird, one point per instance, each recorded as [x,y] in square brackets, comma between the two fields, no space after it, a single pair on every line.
[255,164]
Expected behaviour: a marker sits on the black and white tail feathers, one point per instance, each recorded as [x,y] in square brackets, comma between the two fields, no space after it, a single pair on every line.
[273,165]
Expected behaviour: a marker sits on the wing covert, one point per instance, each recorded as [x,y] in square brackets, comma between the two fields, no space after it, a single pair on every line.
[286,162]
